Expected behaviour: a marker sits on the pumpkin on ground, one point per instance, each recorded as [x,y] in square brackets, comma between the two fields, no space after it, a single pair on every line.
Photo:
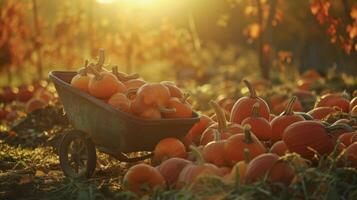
[271,165]
[243,107]
[235,145]
[279,148]
[305,137]
[171,168]
[260,126]
[142,179]
[279,123]
[224,129]
[169,148]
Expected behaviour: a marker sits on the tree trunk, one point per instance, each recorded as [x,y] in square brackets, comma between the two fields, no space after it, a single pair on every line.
[266,38]
[36,41]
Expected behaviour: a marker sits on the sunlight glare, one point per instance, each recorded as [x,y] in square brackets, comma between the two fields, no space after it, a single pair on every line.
[127,2]
[105,1]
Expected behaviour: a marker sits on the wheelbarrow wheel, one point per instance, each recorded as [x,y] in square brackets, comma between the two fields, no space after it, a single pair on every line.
[77,155]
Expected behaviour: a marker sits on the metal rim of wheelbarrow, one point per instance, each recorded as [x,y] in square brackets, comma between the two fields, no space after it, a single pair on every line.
[77,155]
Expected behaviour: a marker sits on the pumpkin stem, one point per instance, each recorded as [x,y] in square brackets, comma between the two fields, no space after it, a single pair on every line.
[101,59]
[252,93]
[131,91]
[84,71]
[97,75]
[246,155]
[247,134]
[221,117]
[337,127]
[115,71]
[255,110]
[289,107]
[123,77]
[337,108]
[130,77]
[217,135]
[166,110]
[345,95]
[197,154]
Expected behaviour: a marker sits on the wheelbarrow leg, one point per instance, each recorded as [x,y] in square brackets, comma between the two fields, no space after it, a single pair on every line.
[77,155]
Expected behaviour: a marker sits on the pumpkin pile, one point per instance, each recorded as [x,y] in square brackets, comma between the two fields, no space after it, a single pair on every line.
[17,101]
[130,94]
[252,145]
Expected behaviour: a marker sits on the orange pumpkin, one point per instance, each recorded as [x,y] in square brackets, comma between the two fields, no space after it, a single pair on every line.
[321,112]
[194,135]
[182,108]
[174,90]
[153,95]
[103,85]
[225,129]
[213,152]
[169,148]
[279,148]
[239,170]
[149,113]
[120,101]
[269,164]
[81,79]
[260,126]
[171,168]
[134,83]
[243,107]
[143,176]
[194,170]
[332,100]
[301,136]
[346,138]
[235,145]
[279,123]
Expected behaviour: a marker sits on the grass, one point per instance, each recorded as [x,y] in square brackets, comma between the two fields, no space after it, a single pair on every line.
[36,174]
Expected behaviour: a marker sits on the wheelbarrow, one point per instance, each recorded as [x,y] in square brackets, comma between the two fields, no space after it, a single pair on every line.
[99,126]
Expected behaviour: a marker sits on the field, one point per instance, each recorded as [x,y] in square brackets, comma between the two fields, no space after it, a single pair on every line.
[273,84]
